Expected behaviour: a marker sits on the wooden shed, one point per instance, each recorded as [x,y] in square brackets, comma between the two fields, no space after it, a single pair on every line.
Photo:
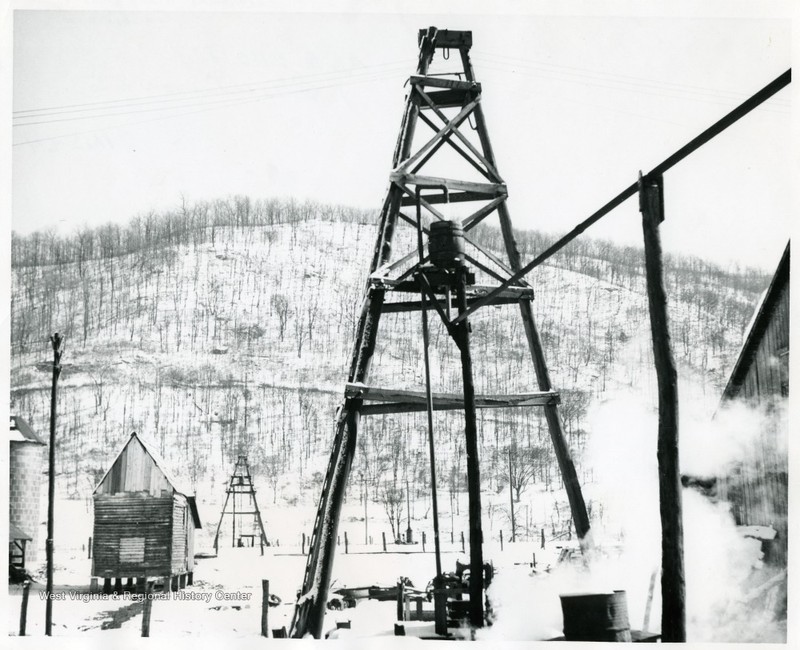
[144,521]
[758,488]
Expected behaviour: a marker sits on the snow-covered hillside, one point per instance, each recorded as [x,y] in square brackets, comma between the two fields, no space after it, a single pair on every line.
[226,329]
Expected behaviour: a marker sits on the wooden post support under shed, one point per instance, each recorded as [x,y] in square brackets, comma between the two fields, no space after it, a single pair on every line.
[673,584]
[265,608]
[23,613]
[148,607]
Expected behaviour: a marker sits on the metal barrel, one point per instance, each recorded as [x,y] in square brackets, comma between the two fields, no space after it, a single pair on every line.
[596,617]
[446,244]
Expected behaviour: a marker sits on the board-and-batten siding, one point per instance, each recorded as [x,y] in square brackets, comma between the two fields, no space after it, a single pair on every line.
[134,471]
[132,535]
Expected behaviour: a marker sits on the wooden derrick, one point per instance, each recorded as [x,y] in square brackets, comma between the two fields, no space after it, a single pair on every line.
[241,486]
[427,97]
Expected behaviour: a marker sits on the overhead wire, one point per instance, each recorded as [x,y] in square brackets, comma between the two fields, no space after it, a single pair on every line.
[214,89]
[628,83]
[217,106]
[291,88]
[530,95]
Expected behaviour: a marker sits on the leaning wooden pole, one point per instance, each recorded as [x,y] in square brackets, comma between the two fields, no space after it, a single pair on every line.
[56,340]
[461,335]
[555,426]
[673,583]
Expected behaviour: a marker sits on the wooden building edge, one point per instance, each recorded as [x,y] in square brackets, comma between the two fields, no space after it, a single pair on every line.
[144,522]
[758,488]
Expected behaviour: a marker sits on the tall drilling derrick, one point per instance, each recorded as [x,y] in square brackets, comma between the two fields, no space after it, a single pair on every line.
[445,103]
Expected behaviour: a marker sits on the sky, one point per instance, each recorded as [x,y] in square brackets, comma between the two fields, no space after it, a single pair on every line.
[118,113]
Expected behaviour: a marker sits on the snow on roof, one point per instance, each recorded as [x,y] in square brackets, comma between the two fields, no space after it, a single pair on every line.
[21,431]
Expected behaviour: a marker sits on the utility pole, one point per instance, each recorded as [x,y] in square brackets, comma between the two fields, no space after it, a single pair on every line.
[673,583]
[511,498]
[56,340]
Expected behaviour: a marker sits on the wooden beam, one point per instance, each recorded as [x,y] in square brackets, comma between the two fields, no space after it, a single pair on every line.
[444,82]
[489,166]
[409,400]
[447,128]
[415,305]
[422,200]
[476,292]
[484,171]
[490,190]
[450,98]
[479,215]
[455,197]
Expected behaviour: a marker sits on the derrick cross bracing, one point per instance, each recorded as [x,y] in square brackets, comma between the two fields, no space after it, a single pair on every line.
[428,97]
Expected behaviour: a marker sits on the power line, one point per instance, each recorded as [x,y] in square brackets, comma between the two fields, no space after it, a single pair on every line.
[635,83]
[529,95]
[291,89]
[158,97]
[181,114]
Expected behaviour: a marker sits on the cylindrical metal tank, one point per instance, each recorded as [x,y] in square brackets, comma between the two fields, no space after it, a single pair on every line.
[596,617]
[446,244]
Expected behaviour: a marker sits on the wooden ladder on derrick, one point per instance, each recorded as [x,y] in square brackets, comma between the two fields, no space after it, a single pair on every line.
[429,96]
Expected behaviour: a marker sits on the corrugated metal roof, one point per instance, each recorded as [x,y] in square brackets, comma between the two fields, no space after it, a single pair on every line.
[21,431]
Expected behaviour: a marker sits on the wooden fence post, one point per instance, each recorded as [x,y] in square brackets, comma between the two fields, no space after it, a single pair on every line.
[346,544]
[90,547]
[384,541]
[673,582]
[148,607]
[401,595]
[265,608]
[463,548]
[23,613]
[423,541]
[303,547]
[501,539]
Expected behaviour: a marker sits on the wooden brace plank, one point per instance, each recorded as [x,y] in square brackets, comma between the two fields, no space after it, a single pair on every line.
[447,128]
[489,166]
[487,189]
[443,82]
[447,400]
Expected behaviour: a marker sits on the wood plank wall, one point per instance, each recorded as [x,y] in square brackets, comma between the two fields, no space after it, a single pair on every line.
[758,488]
[182,536]
[122,519]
